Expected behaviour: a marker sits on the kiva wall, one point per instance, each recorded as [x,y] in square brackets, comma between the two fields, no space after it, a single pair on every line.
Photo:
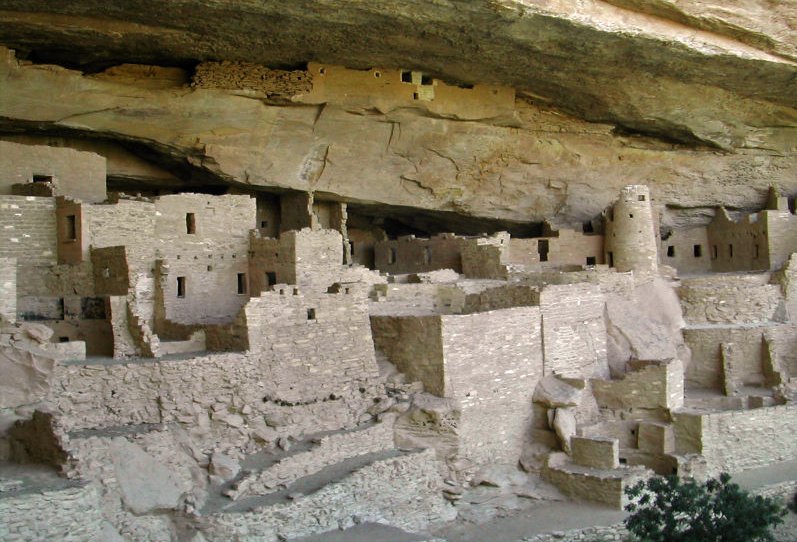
[739,439]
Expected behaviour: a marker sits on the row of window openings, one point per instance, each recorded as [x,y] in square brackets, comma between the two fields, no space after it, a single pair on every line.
[270,279]
[392,254]
[697,251]
[242,288]
[242,284]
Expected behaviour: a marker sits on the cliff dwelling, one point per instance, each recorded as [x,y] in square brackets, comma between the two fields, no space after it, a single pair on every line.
[402,271]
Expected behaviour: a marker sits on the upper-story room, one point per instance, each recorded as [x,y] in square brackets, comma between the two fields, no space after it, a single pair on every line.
[761,241]
[40,170]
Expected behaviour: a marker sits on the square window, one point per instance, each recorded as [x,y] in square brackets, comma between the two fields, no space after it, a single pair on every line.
[697,250]
[311,314]
[591,260]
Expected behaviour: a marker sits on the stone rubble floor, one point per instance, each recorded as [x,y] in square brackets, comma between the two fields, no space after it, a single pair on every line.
[515,521]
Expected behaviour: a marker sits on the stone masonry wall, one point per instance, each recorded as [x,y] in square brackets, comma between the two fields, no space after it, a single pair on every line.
[743,299]
[782,237]
[330,449]
[492,363]
[705,368]
[414,345]
[653,386]
[315,344]
[415,255]
[739,246]
[28,231]
[738,439]
[71,514]
[687,250]
[76,174]
[404,492]
[574,333]
[8,289]
[233,397]
[252,77]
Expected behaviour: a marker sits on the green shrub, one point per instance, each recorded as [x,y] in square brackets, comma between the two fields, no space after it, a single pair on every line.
[673,510]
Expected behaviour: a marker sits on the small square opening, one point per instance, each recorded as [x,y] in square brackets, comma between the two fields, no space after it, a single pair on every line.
[406,76]
[42,178]
[641,197]
[697,250]
[264,223]
[426,79]
[671,251]
[311,314]
[591,260]
[271,278]
[63,339]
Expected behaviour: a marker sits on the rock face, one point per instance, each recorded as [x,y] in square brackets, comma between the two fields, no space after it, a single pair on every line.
[696,100]
[157,490]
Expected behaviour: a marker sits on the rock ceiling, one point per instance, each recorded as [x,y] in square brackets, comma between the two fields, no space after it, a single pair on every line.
[698,99]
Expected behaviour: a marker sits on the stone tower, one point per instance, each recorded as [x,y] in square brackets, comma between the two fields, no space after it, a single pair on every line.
[630,243]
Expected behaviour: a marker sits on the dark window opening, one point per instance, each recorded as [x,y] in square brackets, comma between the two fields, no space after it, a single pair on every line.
[671,251]
[426,79]
[264,223]
[190,223]
[640,197]
[592,260]
[406,76]
[610,257]
[730,251]
[697,250]
[623,461]
[70,228]
[210,268]
[180,286]
[427,255]
[755,251]
[714,252]
[414,95]
[271,278]
[542,249]
[311,314]
[241,283]
[42,178]
[630,215]
[586,227]
[63,339]
[391,256]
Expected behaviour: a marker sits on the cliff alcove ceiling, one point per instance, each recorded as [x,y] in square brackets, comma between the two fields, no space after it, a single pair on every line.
[698,99]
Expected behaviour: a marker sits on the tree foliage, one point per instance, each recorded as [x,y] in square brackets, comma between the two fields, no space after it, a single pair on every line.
[673,510]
